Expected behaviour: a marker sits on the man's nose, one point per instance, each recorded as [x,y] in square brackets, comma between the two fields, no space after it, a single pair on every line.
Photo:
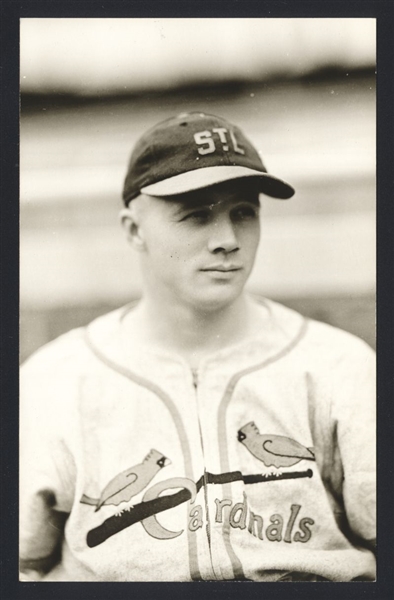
[223,236]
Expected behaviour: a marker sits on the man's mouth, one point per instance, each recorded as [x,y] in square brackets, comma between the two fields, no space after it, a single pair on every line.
[223,268]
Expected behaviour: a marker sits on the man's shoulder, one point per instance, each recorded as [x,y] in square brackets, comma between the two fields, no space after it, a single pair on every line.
[337,343]
[66,346]
[319,337]
[71,349]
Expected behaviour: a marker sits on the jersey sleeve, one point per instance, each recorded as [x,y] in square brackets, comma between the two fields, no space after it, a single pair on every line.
[354,414]
[47,473]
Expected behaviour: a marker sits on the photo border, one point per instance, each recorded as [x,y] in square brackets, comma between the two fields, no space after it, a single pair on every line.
[11,13]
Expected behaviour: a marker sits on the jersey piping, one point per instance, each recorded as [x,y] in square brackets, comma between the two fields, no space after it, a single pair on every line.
[192,544]
[222,435]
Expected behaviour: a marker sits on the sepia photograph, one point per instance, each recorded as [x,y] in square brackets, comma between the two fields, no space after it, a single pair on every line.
[197,300]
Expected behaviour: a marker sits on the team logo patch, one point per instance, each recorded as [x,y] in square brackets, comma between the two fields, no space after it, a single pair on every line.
[219,137]
[130,482]
[274,451]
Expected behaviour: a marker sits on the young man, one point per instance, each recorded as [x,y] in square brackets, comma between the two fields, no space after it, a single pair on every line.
[198,435]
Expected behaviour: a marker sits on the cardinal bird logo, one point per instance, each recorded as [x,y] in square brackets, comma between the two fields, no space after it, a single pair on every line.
[130,482]
[275,451]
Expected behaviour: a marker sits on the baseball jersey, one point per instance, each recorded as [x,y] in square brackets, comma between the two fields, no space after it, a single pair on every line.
[256,466]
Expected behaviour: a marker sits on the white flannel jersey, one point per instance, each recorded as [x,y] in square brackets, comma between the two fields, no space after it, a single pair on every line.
[259,465]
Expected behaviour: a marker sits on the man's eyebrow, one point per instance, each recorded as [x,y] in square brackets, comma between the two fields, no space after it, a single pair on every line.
[193,203]
[181,206]
[254,200]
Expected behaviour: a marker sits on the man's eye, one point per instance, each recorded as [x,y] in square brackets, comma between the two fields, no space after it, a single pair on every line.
[245,212]
[198,215]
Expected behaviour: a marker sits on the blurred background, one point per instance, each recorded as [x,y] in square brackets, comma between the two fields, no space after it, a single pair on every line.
[303,90]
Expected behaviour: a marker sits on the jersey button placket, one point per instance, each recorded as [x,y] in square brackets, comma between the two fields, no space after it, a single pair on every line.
[206,410]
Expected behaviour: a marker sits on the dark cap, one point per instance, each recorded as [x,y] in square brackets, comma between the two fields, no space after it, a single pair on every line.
[194,151]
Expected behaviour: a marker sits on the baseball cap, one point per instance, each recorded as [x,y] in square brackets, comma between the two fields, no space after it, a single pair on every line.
[193,151]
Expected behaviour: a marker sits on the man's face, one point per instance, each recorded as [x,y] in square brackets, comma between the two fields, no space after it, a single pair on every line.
[200,247]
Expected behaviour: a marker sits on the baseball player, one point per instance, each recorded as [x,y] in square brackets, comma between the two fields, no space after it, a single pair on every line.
[198,434]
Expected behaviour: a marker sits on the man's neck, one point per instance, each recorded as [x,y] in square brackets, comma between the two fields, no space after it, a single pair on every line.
[190,332]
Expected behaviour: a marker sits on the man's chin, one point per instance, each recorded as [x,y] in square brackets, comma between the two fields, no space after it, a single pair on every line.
[218,298]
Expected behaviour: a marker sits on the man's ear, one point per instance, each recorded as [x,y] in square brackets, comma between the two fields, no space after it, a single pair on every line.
[131,225]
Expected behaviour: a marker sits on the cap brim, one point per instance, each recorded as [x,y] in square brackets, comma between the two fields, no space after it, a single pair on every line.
[207,176]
